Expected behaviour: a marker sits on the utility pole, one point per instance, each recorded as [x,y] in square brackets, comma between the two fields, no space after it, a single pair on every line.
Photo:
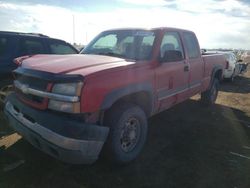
[73,28]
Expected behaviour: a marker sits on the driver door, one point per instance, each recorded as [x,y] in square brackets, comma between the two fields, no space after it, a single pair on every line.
[172,73]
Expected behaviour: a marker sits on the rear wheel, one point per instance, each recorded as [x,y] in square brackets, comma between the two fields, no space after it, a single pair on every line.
[209,97]
[128,132]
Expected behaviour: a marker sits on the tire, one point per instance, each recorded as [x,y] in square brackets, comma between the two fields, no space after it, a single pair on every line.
[128,132]
[209,97]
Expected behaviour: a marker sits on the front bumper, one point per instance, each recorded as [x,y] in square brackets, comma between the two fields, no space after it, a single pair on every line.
[64,138]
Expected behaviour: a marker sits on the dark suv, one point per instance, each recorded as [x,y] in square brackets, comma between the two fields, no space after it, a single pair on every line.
[13,44]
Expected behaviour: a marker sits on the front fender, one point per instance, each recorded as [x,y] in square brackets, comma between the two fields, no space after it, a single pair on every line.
[119,93]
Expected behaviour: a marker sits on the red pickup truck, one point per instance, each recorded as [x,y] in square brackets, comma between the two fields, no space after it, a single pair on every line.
[74,106]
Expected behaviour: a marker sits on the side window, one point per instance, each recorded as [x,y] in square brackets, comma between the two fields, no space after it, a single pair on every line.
[31,46]
[171,48]
[3,46]
[60,48]
[191,45]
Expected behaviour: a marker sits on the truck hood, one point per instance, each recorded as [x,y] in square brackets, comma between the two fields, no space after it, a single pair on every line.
[72,64]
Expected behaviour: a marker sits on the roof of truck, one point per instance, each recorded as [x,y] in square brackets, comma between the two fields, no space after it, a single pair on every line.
[149,29]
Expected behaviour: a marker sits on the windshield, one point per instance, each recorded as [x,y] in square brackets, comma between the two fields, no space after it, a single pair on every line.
[128,44]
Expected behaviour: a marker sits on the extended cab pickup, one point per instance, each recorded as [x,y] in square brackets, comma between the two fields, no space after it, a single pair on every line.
[74,106]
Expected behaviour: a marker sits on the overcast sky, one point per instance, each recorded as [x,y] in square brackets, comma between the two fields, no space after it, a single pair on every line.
[217,23]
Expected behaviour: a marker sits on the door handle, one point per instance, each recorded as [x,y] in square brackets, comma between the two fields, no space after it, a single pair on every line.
[186,68]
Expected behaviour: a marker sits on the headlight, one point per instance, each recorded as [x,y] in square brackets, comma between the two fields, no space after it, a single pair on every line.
[64,106]
[68,88]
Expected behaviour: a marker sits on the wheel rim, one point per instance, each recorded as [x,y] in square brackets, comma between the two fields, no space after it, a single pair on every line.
[130,134]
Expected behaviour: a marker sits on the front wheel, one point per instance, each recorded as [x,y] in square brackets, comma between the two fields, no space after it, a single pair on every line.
[128,132]
[209,97]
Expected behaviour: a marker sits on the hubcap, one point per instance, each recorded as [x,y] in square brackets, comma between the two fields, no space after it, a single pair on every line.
[130,134]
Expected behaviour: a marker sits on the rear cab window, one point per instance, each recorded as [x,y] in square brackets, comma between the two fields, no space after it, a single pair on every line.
[192,45]
[59,47]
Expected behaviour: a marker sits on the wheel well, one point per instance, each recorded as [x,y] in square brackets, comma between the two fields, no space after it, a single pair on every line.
[218,75]
[142,99]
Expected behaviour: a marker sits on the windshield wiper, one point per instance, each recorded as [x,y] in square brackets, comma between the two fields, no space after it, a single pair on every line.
[110,54]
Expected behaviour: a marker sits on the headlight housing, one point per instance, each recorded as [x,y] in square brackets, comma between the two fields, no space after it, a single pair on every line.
[62,106]
[66,89]
[72,89]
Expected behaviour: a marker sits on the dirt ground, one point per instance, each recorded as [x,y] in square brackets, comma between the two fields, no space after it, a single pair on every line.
[188,146]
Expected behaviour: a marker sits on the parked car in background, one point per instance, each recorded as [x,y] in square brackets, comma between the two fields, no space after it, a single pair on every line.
[233,68]
[14,44]
[245,61]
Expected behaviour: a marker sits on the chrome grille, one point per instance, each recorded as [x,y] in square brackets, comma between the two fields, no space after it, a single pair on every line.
[34,83]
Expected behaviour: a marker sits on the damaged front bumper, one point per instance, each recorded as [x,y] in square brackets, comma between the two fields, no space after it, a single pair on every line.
[62,137]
